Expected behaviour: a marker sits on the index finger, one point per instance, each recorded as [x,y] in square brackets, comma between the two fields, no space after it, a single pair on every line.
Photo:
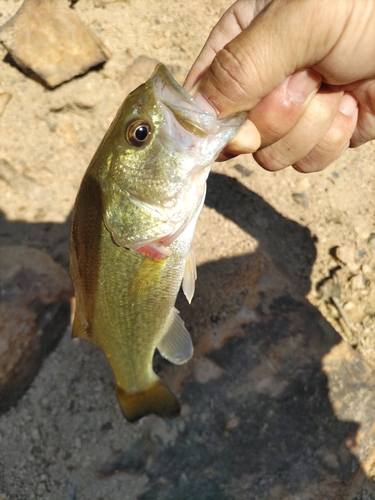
[232,23]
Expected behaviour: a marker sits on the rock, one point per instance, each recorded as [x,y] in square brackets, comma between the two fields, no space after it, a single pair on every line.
[137,73]
[301,199]
[4,99]
[35,311]
[347,255]
[371,241]
[357,282]
[205,370]
[243,170]
[141,69]
[362,228]
[355,312]
[48,40]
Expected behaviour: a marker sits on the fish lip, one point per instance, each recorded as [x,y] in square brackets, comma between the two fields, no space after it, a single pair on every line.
[162,72]
[194,119]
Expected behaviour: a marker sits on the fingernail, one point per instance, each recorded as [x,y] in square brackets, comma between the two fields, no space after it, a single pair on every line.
[302,84]
[348,104]
[204,104]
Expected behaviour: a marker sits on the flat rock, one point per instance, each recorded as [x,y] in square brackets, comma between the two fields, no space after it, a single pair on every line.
[34,309]
[48,40]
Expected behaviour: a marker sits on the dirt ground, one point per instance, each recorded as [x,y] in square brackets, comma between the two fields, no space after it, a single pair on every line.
[278,400]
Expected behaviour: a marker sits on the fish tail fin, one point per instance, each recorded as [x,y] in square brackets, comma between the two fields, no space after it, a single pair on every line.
[158,400]
[78,330]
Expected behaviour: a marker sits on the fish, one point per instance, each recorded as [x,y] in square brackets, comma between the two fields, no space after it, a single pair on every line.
[131,235]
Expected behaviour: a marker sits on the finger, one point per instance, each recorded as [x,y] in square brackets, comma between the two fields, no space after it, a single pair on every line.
[231,24]
[312,126]
[364,91]
[278,113]
[335,141]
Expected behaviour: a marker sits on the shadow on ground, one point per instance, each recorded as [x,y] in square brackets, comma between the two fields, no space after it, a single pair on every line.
[257,419]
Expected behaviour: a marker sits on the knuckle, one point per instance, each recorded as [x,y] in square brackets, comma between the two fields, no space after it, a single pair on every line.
[233,72]
[270,160]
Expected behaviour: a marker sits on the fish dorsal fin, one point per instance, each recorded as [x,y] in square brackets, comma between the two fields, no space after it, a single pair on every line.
[176,345]
[190,275]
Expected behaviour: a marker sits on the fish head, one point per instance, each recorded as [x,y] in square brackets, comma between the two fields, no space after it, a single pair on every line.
[157,154]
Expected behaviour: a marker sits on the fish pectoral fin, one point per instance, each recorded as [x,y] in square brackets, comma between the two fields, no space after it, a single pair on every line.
[158,399]
[78,330]
[176,345]
[190,275]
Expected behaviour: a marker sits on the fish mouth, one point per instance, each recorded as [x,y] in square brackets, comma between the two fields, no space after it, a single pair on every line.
[194,119]
[187,126]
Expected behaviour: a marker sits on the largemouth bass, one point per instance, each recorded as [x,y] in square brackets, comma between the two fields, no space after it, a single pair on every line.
[132,229]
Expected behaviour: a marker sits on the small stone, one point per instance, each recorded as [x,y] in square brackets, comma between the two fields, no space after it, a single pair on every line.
[345,254]
[243,170]
[158,43]
[362,229]
[206,370]
[302,183]
[4,99]
[301,199]
[34,311]
[232,423]
[371,241]
[357,282]
[41,488]
[355,312]
[48,40]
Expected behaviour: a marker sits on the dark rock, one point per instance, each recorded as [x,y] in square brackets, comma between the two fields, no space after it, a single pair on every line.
[301,199]
[48,40]
[34,310]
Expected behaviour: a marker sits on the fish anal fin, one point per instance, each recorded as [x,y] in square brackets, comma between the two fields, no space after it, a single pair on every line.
[78,330]
[176,345]
[158,400]
[190,275]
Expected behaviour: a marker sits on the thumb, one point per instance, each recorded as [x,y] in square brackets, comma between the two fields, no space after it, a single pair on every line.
[286,36]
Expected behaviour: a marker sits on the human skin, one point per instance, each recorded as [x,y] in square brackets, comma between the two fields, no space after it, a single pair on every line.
[304,70]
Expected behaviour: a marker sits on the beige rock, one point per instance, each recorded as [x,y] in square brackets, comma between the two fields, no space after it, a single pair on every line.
[34,312]
[47,39]
[137,73]
[141,69]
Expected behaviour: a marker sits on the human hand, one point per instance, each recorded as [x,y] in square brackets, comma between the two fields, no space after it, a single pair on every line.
[305,72]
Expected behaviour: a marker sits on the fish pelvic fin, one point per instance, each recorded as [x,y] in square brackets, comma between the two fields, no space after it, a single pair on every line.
[158,400]
[190,275]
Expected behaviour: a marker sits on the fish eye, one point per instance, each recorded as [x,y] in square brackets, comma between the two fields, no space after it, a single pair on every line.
[138,133]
